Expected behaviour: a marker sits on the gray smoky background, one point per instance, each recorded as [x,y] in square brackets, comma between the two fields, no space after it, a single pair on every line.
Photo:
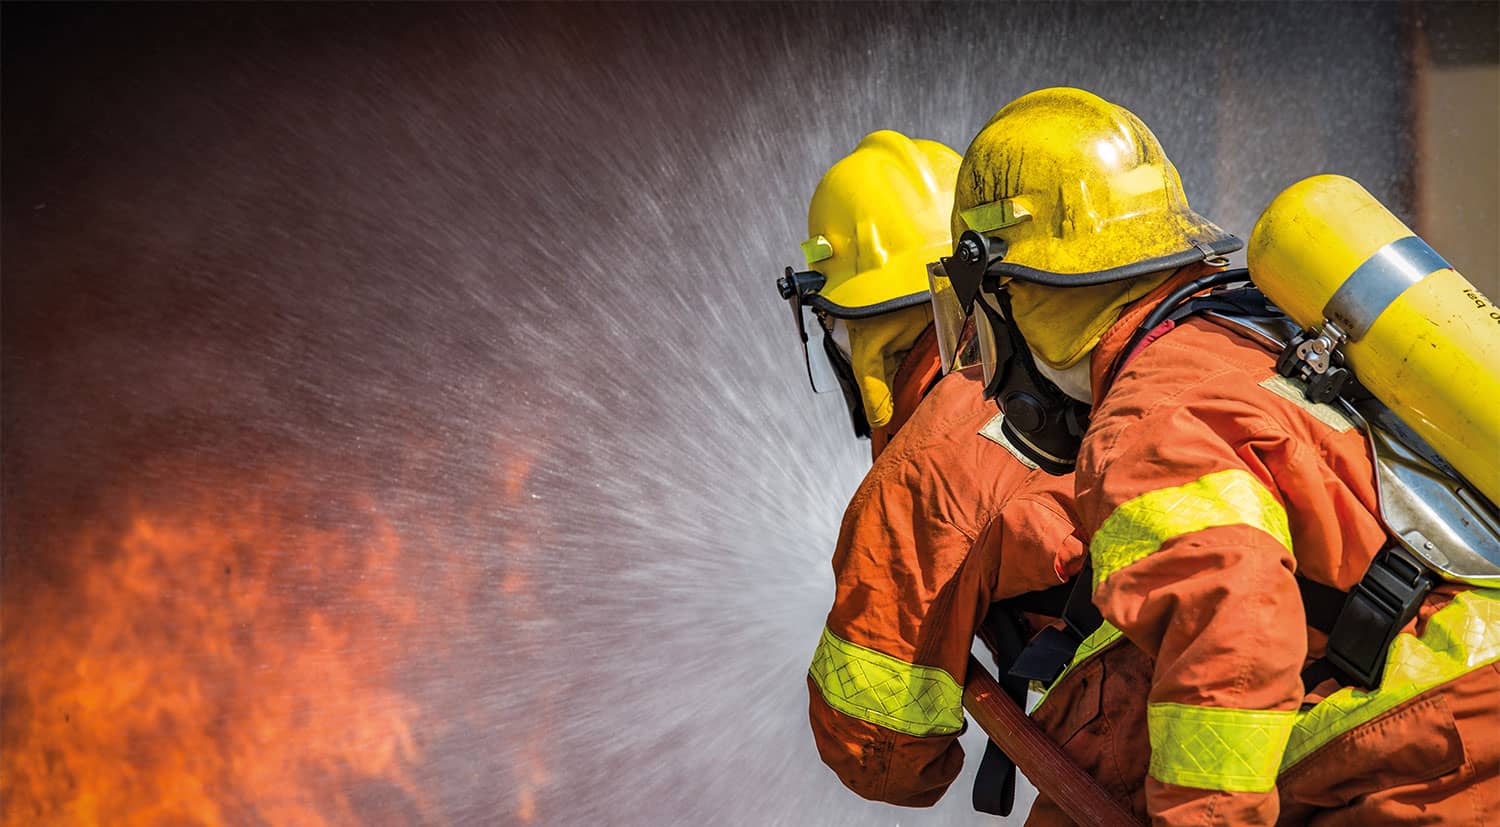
[400,424]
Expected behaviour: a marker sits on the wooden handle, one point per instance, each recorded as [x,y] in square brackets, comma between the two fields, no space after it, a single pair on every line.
[1038,758]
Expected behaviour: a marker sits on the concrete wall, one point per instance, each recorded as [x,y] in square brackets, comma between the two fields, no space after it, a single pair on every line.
[1457,111]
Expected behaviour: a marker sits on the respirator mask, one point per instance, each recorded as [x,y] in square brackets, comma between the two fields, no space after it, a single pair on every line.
[1041,421]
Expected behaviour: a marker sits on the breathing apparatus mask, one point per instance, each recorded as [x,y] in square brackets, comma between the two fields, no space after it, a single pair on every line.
[1041,421]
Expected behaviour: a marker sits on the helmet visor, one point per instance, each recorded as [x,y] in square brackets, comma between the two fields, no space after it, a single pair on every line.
[794,287]
[957,346]
[993,342]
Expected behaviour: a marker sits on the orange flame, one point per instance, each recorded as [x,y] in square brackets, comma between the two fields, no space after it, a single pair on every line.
[533,739]
[230,667]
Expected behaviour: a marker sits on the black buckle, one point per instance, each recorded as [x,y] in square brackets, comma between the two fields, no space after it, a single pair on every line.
[1050,652]
[1046,656]
[1378,607]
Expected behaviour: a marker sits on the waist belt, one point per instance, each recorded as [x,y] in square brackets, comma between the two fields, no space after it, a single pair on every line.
[1360,623]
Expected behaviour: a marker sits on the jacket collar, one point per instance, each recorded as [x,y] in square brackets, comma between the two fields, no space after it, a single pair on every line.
[1114,340]
[919,372]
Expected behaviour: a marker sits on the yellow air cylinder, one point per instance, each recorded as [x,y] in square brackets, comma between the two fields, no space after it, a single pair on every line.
[1423,339]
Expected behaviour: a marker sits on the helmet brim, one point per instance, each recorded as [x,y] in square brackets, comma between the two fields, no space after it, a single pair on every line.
[1172,261]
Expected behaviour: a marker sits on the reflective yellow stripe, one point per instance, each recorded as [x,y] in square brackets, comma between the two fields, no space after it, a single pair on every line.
[1462,637]
[816,249]
[1096,642]
[1139,527]
[1213,748]
[875,687]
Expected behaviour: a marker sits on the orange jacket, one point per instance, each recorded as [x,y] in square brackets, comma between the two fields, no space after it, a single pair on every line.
[918,374]
[1097,713]
[1205,482]
[886,681]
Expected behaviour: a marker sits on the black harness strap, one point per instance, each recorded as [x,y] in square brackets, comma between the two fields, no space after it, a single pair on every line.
[1020,662]
[1048,654]
[1049,602]
[995,784]
[1322,603]
[1362,622]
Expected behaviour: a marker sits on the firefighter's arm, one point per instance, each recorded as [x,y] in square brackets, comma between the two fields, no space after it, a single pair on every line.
[886,682]
[911,755]
[886,679]
[1192,560]
[1033,544]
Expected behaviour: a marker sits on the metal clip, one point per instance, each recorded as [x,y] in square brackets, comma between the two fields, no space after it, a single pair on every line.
[1317,352]
[1210,257]
[1313,357]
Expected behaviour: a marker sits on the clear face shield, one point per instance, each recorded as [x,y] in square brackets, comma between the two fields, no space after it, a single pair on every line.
[828,368]
[958,346]
[811,331]
[992,345]
[972,335]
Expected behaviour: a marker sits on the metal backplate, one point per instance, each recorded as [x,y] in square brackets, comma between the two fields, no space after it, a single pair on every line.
[1431,513]
[1424,503]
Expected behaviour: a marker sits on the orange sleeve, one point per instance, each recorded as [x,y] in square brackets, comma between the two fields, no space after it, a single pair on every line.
[1180,491]
[1033,544]
[886,682]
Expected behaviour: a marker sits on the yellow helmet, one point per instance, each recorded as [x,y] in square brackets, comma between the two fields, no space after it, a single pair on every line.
[876,219]
[1080,191]
[1081,195]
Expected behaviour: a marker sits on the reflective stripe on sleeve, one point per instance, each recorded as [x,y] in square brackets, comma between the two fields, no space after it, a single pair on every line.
[1214,748]
[1461,637]
[1139,527]
[885,691]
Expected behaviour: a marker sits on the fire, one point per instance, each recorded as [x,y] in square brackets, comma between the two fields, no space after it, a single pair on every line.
[232,661]
[534,739]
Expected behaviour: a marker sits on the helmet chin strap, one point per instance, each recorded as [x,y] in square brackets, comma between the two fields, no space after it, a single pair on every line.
[1075,381]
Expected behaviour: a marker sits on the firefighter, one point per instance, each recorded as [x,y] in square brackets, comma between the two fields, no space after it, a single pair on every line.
[886,681]
[1226,514]
[862,311]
